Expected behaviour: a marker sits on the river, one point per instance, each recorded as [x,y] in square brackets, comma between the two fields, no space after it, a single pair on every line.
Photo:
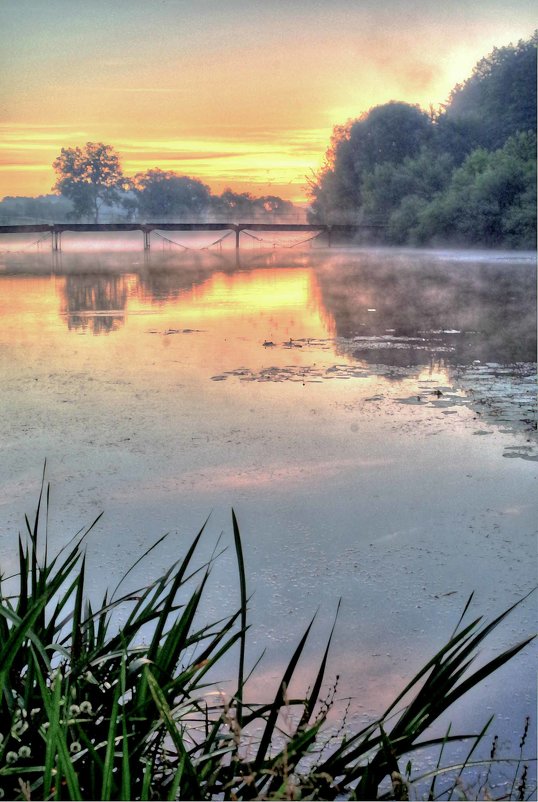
[370,415]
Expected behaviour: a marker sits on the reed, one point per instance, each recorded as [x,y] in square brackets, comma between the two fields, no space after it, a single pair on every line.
[91,711]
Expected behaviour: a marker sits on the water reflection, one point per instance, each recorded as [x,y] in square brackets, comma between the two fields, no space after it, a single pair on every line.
[403,311]
[93,301]
[394,311]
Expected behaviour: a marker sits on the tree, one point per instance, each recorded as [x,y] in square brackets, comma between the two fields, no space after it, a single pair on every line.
[272,206]
[386,134]
[230,205]
[43,209]
[90,177]
[386,186]
[162,194]
[499,99]
[242,206]
[463,174]
[491,199]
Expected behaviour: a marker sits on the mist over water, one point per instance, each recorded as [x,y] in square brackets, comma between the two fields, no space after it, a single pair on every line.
[369,414]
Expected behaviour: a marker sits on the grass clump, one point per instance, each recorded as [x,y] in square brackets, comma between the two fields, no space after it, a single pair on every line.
[91,711]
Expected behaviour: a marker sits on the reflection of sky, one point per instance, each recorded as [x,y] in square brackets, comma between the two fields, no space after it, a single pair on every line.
[340,489]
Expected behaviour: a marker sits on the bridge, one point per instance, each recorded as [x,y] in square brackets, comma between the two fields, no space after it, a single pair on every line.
[57,229]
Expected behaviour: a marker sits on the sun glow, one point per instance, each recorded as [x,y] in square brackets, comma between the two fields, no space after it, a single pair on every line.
[235,98]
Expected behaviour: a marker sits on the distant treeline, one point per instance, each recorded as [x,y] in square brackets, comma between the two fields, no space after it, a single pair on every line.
[464,174]
[91,187]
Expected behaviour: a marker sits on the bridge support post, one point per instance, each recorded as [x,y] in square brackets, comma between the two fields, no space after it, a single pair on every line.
[56,240]
[147,235]
[237,233]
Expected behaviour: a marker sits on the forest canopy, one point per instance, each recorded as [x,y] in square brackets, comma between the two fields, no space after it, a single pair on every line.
[464,174]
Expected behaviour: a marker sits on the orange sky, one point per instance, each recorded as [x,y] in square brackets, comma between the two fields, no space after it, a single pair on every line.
[236,93]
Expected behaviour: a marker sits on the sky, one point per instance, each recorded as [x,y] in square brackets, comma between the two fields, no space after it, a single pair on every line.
[241,94]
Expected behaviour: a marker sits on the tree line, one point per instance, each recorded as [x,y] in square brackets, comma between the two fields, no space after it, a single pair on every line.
[90,185]
[462,174]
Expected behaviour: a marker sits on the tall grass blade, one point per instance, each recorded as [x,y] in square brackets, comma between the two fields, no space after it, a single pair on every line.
[431,792]
[109,762]
[477,741]
[76,631]
[56,739]
[172,728]
[280,700]
[125,757]
[176,584]
[314,694]
[243,623]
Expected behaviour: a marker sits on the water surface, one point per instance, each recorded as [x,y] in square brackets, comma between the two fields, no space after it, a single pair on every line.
[370,416]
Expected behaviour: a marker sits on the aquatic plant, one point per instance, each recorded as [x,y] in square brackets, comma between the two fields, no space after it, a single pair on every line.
[89,710]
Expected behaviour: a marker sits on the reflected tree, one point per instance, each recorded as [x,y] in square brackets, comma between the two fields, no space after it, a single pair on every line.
[476,311]
[95,301]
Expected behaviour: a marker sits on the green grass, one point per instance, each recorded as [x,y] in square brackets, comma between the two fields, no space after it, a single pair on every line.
[92,711]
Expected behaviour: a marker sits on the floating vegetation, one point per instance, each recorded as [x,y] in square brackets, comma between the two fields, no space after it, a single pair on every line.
[503,395]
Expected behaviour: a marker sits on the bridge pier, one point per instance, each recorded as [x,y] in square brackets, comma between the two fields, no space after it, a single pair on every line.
[333,231]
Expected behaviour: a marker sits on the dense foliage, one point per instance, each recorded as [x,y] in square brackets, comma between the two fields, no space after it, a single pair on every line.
[500,96]
[160,194]
[466,174]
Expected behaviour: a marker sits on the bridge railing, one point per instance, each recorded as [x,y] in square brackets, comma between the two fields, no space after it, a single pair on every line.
[57,229]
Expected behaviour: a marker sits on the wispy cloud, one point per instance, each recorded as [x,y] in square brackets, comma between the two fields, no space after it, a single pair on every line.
[39,126]
[152,90]
[15,167]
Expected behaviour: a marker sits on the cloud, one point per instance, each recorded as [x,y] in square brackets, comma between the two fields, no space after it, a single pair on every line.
[147,156]
[153,90]
[15,167]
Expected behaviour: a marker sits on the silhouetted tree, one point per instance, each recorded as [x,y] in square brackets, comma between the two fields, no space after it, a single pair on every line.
[464,174]
[232,205]
[162,194]
[89,177]
[384,135]
[273,205]
[499,99]
[242,206]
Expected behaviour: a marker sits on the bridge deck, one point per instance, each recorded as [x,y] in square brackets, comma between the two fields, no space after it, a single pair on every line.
[56,229]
